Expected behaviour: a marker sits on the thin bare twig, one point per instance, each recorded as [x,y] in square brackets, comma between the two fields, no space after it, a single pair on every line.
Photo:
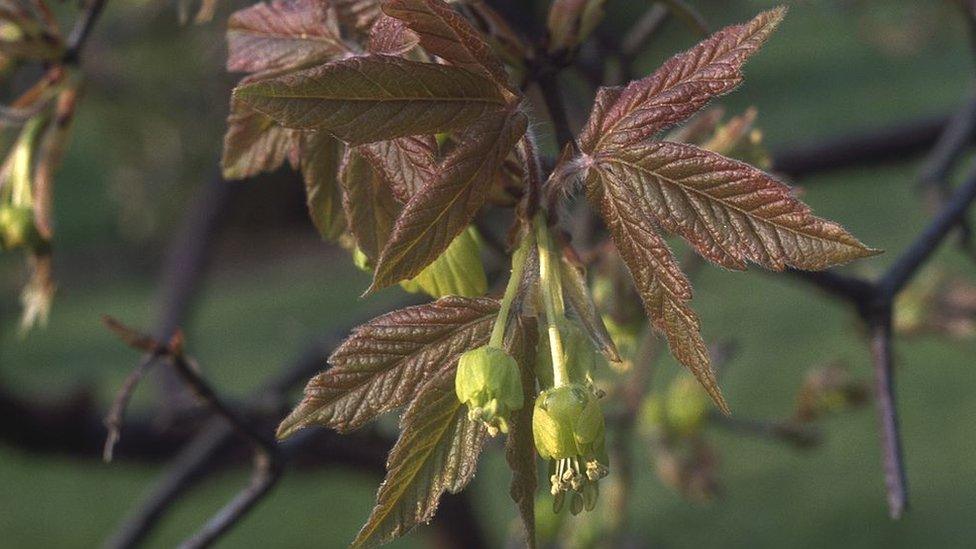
[891,449]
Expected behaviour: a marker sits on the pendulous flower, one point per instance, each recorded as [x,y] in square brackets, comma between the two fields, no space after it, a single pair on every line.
[569,430]
[489,383]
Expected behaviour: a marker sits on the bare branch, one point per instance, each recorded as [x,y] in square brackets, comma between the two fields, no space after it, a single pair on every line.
[884,385]
[925,245]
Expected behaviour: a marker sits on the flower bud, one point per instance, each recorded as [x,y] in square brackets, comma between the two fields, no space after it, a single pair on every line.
[489,383]
[17,228]
[569,430]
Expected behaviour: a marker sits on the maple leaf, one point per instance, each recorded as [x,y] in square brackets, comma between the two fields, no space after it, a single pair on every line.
[254,143]
[440,210]
[384,362]
[374,98]
[728,211]
[437,452]
[445,33]
[520,446]
[391,36]
[405,164]
[320,153]
[680,87]
[282,34]
[369,206]
[584,311]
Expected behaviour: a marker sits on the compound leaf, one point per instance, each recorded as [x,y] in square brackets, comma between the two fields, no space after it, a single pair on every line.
[319,163]
[254,143]
[437,452]
[663,288]
[728,210]
[282,34]
[374,97]
[406,164]
[445,33]
[680,87]
[369,206]
[437,213]
[384,362]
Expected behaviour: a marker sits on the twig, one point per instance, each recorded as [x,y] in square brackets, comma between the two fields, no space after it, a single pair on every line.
[798,435]
[116,414]
[897,142]
[266,468]
[265,476]
[893,462]
[925,245]
[551,94]
[82,30]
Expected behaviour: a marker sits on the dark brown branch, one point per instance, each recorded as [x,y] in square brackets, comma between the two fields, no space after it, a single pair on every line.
[925,245]
[265,476]
[552,95]
[82,30]
[898,142]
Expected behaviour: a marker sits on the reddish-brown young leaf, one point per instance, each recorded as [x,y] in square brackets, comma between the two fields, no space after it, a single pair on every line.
[359,15]
[282,34]
[657,276]
[385,361]
[444,207]
[374,98]
[580,305]
[445,33]
[679,87]
[437,452]
[729,211]
[519,445]
[391,36]
[254,143]
[320,163]
[368,203]
[406,163]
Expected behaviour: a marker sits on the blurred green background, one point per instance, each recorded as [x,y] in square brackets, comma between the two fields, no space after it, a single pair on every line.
[148,136]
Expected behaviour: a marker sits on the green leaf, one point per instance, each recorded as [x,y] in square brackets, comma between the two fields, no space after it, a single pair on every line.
[282,34]
[254,143]
[374,98]
[458,271]
[445,33]
[437,452]
[384,362]
[320,162]
[370,208]
[445,206]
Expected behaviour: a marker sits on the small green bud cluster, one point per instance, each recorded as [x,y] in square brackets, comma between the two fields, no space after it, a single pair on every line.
[489,383]
[569,429]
